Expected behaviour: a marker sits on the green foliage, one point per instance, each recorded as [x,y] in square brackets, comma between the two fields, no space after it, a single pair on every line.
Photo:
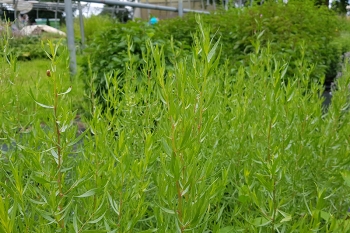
[196,148]
[123,47]
[92,26]
[288,28]
[296,32]
[29,47]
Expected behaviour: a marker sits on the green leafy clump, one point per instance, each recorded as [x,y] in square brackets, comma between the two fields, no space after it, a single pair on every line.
[122,47]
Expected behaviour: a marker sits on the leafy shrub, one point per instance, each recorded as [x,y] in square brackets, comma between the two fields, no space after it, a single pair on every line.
[289,28]
[122,47]
[26,48]
[30,47]
[92,26]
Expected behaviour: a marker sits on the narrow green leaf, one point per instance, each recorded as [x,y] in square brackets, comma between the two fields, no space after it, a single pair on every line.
[89,193]
[212,51]
[167,210]
[46,215]
[77,139]
[287,217]
[166,147]
[66,92]
[43,105]
[54,154]
[37,202]
[97,219]
[185,191]
[75,222]
[260,222]
[261,34]
[40,104]
[113,204]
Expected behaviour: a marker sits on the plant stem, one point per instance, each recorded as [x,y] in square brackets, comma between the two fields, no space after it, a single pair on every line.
[268,141]
[59,150]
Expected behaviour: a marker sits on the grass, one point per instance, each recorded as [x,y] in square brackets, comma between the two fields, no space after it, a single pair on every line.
[195,149]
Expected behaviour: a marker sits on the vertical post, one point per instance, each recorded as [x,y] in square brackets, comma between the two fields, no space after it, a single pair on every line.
[171,4]
[137,11]
[15,13]
[148,11]
[180,8]
[81,21]
[70,36]
[56,9]
[226,5]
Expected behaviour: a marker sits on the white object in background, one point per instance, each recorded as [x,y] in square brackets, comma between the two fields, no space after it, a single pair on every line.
[33,29]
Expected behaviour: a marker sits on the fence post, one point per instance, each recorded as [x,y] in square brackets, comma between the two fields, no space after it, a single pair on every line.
[70,36]
[180,8]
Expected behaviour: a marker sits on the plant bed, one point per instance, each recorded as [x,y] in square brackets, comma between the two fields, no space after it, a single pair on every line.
[229,152]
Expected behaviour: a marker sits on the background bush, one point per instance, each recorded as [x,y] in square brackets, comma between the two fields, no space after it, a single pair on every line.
[289,28]
[295,32]
[122,47]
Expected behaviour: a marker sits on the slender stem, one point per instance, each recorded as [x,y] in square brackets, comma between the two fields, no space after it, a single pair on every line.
[59,150]
[268,141]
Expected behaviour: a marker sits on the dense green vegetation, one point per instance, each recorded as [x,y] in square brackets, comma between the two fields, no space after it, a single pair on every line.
[295,31]
[191,139]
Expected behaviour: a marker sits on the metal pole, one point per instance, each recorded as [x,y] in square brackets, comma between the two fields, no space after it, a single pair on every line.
[81,21]
[56,9]
[226,5]
[70,36]
[171,3]
[180,8]
[15,13]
